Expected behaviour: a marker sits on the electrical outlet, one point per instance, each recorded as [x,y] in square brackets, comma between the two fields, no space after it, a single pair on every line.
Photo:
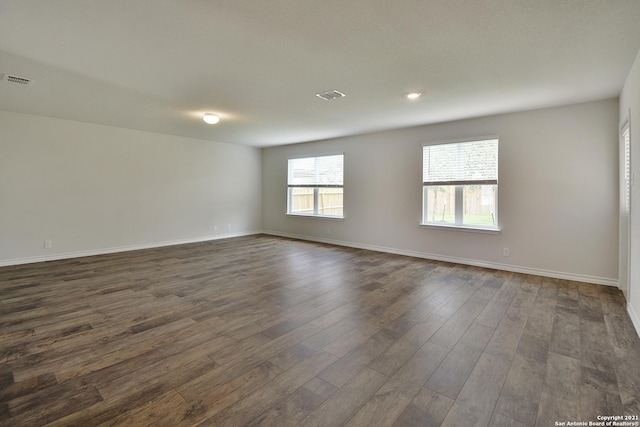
[215,227]
[48,244]
[229,227]
[506,252]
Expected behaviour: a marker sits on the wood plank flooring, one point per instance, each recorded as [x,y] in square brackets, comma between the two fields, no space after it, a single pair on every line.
[266,331]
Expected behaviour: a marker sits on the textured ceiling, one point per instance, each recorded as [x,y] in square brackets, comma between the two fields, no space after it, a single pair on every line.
[158,65]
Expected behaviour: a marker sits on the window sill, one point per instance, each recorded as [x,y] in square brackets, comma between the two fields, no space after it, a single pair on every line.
[462,228]
[339,218]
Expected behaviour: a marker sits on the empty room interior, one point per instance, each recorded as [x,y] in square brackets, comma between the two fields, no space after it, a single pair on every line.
[304,213]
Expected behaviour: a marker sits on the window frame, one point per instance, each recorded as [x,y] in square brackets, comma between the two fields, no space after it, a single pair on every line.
[458,223]
[316,189]
[625,134]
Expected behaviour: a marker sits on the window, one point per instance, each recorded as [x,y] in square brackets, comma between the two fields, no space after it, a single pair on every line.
[315,186]
[460,184]
[627,166]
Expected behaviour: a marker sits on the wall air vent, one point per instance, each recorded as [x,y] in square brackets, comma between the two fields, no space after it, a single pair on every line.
[17,80]
[329,95]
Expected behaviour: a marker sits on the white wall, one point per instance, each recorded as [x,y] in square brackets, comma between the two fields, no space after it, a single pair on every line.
[558,193]
[92,188]
[630,101]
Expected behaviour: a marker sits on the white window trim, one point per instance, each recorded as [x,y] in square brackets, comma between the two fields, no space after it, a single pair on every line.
[316,190]
[625,129]
[497,229]
[461,228]
[331,217]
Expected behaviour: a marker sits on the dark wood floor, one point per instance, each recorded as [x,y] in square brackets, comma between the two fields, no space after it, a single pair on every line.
[275,332]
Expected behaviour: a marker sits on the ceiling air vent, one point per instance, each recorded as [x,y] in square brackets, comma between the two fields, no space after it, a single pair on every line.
[17,80]
[332,94]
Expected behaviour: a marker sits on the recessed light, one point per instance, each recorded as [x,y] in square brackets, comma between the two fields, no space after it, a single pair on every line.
[414,95]
[211,119]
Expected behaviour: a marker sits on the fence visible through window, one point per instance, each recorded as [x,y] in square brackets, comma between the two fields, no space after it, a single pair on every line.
[329,201]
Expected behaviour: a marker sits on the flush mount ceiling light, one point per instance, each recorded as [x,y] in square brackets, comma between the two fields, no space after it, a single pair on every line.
[211,119]
[414,95]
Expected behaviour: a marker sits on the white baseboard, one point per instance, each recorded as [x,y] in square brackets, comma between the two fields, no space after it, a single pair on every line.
[477,263]
[103,251]
[635,319]
[435,257]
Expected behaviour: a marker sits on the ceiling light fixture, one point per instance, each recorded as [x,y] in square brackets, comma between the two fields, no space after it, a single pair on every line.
[414,95]
[211,119]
